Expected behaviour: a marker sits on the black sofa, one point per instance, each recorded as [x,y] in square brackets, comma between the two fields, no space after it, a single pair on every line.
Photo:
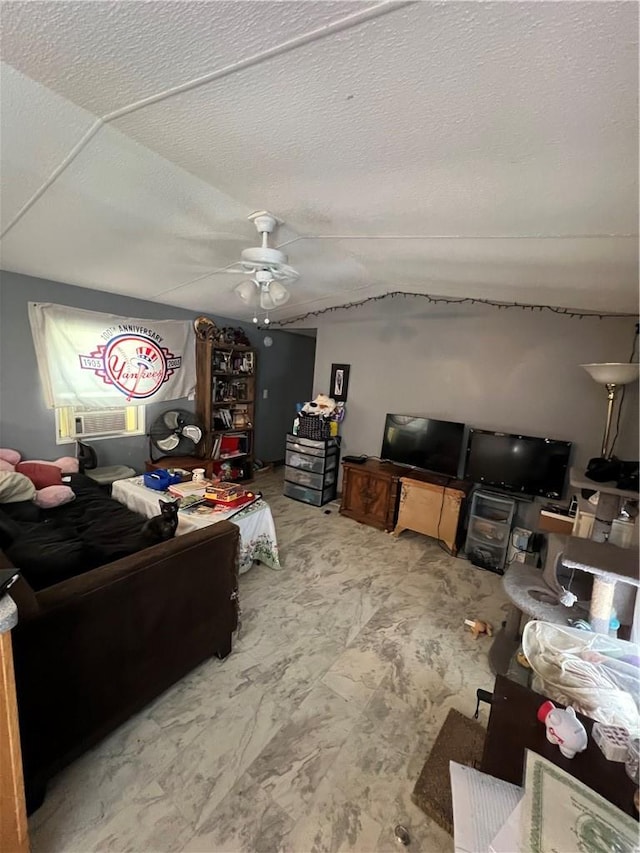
[101,641]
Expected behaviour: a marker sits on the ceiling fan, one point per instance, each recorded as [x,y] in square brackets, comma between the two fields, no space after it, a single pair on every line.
[267,267]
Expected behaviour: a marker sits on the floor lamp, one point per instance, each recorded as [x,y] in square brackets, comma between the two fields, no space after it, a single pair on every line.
[612,376]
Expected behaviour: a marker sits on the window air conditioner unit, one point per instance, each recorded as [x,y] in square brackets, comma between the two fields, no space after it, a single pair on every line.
[100,422]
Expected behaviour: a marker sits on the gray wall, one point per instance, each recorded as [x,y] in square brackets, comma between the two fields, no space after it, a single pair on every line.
[286,372]
[25,423]
[508,370]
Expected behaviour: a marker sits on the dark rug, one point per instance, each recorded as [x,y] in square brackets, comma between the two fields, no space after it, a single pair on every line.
[461,740]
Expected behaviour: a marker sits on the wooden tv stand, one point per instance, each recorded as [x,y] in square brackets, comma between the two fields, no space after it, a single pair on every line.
[371,494]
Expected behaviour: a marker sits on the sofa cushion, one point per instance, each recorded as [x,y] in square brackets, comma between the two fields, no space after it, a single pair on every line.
[41,474]
[15,487]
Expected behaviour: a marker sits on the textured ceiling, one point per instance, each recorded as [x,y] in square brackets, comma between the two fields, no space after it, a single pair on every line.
[464,149]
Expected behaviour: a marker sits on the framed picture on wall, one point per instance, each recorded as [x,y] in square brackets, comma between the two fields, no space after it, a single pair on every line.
[339,383]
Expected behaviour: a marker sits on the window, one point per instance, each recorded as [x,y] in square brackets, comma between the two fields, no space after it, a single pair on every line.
[73,423]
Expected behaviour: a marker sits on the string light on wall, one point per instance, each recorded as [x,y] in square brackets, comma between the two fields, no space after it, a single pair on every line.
[446,300]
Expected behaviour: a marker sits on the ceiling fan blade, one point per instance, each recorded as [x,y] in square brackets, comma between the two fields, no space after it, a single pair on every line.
[169,443]
[225,236]
[235,268]
[283,272]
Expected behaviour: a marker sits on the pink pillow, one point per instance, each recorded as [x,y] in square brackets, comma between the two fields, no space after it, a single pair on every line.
[67,464]
[6,466]
[52,496]
[10,456]
[41,474]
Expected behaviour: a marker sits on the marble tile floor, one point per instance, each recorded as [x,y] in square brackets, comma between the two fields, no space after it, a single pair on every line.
[309,737]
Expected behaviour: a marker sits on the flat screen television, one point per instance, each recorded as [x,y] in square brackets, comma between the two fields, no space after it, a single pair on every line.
[423,443]
[522,464]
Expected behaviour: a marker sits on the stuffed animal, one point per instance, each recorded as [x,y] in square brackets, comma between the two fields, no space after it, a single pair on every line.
[322,406]
[478,627]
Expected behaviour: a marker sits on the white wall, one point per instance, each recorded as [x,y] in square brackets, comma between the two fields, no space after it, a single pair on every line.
[508,370]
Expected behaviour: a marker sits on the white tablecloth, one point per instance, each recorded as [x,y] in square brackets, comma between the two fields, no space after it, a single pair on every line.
[257,530]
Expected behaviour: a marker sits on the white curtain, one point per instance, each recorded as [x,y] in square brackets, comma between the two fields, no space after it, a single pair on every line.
[98,360]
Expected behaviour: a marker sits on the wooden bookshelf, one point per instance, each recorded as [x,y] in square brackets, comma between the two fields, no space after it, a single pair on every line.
[225,402]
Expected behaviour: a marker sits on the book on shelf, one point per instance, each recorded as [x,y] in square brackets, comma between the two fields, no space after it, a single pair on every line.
[231,418]
[230,444]
[222,419]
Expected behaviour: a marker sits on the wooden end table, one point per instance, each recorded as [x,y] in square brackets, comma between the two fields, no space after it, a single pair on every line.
[514,728]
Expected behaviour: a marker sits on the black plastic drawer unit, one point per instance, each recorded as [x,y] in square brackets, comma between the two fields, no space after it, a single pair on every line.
[311,469]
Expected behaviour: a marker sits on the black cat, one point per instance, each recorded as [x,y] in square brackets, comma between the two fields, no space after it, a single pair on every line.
[162,527]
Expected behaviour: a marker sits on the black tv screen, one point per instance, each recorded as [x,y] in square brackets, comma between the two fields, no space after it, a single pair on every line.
[520,464]
[423,443]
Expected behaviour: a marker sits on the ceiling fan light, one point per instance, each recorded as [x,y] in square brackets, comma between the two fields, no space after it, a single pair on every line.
[279,293]
[266,300]
[246,290]
[273,296]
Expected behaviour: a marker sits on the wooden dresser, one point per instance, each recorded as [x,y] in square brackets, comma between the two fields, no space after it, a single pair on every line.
[370,492]
[371,495]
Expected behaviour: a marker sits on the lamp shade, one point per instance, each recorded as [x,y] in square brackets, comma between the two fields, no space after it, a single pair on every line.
[247,290]
[613,373]
[273,296]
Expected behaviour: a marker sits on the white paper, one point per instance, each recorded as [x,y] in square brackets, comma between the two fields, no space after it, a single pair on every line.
[481,806]
[508,839]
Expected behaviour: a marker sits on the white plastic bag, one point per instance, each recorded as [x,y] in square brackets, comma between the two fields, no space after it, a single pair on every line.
[598,675]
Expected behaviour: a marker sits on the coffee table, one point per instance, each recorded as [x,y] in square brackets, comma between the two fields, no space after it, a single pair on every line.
[257,531]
